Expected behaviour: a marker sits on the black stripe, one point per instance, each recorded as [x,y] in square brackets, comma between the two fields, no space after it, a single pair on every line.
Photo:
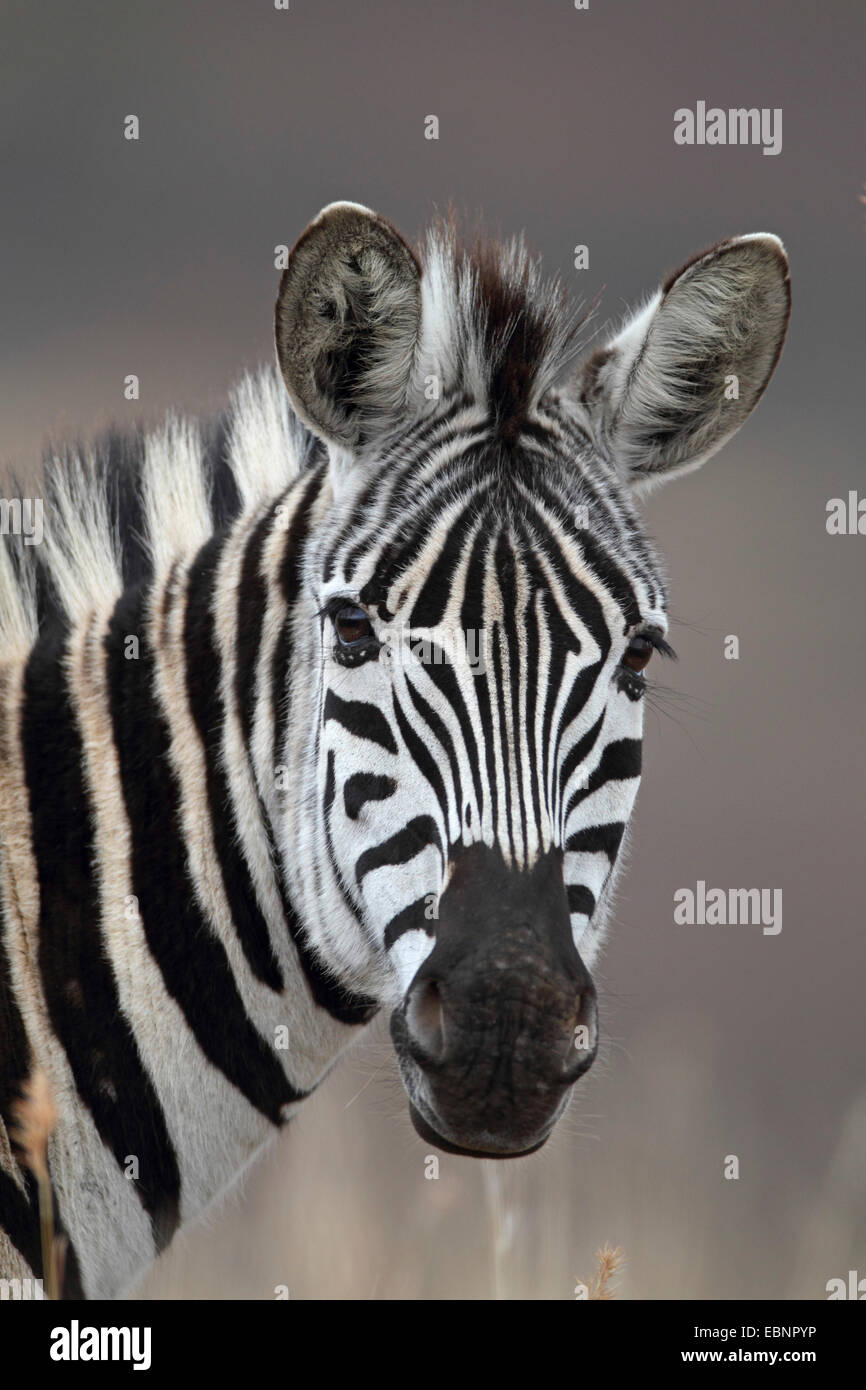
[579,596]
[19,1218]
[121,460]
[203,661]
[19,1211]
[411,918]
[580,752]
[291,569]
[329,994]
[532,638]
[361,719]
[439,730]
[250,614]
[225,497]
[501,717]
[423,760]
[597,839]
[280,689]
[619,762]
[420,832]
[354,909]
[15,1057]
[506,569]
[341,1003]
[409,536]
[472,619]
[192,960]
[580,899]
[79,985]
[411,456]
[563,640]
[363,787]
[429,607]
[299,530]
[611,576]
[390,484]
[604,493]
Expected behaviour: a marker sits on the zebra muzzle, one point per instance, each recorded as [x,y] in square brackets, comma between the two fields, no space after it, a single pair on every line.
[500,1020]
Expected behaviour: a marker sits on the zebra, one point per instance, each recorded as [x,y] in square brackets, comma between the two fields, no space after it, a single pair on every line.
[333,705]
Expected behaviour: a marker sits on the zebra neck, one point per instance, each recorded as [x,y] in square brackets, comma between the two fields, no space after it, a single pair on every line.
[166,982]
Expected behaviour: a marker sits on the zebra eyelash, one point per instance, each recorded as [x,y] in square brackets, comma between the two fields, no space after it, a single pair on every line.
[659,643]
[333,605]
[634,684]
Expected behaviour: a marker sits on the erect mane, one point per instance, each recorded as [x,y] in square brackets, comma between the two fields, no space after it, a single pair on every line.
[492,323]
[115,509]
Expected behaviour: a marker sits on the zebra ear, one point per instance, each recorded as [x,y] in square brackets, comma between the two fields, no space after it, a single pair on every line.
[346,323]
[685,372]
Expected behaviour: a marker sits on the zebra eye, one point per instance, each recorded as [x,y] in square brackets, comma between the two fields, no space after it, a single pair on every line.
[352,626]
[638,653]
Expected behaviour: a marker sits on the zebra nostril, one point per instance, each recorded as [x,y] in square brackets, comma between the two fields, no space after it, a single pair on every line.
[425,1020]
[583,1040]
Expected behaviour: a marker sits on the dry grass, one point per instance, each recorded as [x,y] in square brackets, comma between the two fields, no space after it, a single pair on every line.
[611,1260]
[34,1119]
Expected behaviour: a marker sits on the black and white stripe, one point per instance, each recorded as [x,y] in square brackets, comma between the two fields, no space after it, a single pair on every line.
[222,845]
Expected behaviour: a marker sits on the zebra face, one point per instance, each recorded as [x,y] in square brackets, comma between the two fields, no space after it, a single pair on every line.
[482,601]
[478,759]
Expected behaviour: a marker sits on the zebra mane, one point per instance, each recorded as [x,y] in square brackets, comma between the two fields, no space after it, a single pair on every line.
[132,501]
[492,324]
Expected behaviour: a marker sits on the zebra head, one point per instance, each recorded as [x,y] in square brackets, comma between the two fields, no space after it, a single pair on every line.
[480,602]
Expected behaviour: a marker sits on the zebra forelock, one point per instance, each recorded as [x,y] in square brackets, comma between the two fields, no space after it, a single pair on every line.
[492,326]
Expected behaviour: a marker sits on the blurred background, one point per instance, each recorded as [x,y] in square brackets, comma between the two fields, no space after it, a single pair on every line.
[156,257]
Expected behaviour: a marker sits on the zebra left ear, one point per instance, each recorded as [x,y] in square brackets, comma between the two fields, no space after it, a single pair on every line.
[681,377]
[346,323]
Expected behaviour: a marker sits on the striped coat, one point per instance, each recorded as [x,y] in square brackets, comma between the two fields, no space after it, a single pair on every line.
[239,814]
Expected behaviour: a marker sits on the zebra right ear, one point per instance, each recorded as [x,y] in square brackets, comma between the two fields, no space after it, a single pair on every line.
[684,373]
[346,324]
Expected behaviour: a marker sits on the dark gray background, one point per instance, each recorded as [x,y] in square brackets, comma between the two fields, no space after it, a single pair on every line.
[156,258]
